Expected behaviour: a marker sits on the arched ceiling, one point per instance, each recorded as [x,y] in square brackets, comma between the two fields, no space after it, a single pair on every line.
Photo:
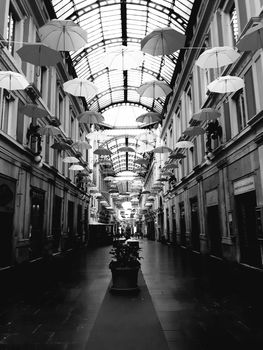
[114,23]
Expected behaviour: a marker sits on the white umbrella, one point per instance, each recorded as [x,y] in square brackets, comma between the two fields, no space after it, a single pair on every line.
[90,117]
[76,167]
[49,130]
[252,39]
[63,35]
[123,58]
[206,114]
[150,117]
[162,149]
[162,41]
[184,144]
[12,80]
[80,87]
[102,151]
[70,160]
[82,144]
[226,84]
[217,57]
[170,166]
[154,89]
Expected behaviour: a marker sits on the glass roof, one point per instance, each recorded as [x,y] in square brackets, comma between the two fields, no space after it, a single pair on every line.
[111,24]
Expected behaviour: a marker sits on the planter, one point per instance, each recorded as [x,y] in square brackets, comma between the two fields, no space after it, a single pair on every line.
[124,278]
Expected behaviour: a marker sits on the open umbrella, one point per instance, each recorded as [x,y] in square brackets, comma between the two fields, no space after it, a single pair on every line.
[49,130]
[70,160]
[76,167]
[82,144]
[80,87]
[102,151]
[150,117]
[141,161]
[63,35]
[126,149]
[162,149]
[206,114]
[162,41]
[252,39]
[170,166]
[194,131]
[226,84]
[90,117]
[61,146]
[12,80]
[39,54]
[184,144]
[122,58]
[33,111]
[154,89]
[217,57]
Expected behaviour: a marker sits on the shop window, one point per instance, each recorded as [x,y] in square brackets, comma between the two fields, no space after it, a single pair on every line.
[250,95]
[227,121]
[5,105]
[240,109]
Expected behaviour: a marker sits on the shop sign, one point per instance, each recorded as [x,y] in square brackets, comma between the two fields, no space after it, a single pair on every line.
[244,185]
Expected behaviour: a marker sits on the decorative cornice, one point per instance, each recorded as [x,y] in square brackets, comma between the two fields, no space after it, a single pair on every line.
[222,163]
[259,139]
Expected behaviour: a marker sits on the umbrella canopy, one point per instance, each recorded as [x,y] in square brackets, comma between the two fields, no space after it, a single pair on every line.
[217,57]
[102,151]
[90,117]
[33,111]
[146,192]
[150,117]
[177,155]
[126,149]
[12,80]
[166,173]
[39,54]
[194,131]
[154,89]
[82,144]
[162,41]
[76,167]
[207,114]
[70,160]
[252,39]
[80,87]
[123,58]
[170,166]
[141,161]
[61,146]
[226,84]
[49,130]
[162,149]
[63,35]
[184,144]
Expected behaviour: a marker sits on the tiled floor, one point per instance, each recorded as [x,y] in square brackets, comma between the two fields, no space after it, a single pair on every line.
[193,311]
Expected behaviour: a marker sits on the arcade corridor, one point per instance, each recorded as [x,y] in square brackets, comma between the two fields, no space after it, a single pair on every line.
[196,307]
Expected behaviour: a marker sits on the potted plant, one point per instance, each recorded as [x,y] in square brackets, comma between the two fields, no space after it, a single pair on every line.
[124,266]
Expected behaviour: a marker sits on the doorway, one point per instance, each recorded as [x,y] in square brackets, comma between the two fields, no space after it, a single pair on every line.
[36,222]
[182,224]
[195,228]
[246,223]
[70,224]
[56,222]
[214,231]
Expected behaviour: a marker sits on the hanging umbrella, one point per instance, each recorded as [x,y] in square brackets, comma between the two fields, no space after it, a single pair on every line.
[61,146]
[149,126]
[162,149]
[76,167]
[90,117]
[70,160]
[154,89]
[33,111]
[170,166]
[39,54]
[166,173]
[194,131]
[102,151]
[162,41]
[226,84]
[252,39]
[184,144]
[80,87]
[217,57]
[145,192]
[82,144]
[207,114]
[141,161]
[12,80]
[126,149]
[150,117]
[49,130]
[122,58]
[177,155]
[63,35]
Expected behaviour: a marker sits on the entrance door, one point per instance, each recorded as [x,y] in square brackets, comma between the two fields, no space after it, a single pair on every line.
[246,222]
[195,239]
[182,224]
[70,224]
[213,226]
[174,223]
[56,222]
[37,218]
